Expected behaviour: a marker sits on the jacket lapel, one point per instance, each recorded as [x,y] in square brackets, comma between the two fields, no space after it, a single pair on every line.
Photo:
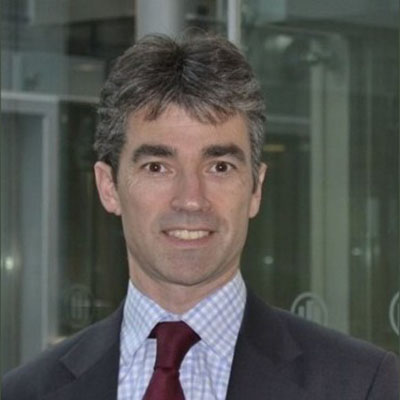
[264,365]
[93,363]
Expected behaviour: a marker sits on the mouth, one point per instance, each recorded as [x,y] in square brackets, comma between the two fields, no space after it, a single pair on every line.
[185,234]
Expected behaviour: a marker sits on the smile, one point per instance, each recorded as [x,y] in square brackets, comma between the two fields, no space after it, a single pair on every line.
[185,234]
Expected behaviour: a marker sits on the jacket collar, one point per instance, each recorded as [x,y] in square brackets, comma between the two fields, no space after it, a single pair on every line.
[265,357]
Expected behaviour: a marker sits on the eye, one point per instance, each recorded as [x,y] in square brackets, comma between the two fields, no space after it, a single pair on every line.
[155,167]
[222,167]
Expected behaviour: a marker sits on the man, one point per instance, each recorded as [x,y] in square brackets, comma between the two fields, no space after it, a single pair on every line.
[179,146]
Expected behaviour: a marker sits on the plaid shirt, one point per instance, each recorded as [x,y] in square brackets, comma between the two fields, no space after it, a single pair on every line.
[205,370]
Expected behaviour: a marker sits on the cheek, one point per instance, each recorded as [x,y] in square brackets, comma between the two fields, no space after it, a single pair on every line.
[141,203]
[137,222]
[233,206]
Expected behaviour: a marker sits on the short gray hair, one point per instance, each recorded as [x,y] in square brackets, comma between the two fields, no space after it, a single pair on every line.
[207,76]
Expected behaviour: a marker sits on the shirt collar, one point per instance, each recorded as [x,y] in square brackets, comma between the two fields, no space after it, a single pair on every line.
[222,311]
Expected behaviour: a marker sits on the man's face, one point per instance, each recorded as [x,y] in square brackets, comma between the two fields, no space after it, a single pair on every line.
[185,195]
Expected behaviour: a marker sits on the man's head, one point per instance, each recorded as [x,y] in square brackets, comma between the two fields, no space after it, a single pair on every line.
[206,76]
[178,164]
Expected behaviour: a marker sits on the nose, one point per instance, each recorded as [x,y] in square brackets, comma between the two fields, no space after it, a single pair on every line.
[190,193]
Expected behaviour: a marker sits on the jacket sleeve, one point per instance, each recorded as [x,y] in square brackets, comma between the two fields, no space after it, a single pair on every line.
[386,383]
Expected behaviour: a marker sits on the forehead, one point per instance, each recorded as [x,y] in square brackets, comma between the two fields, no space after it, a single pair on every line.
[176,126]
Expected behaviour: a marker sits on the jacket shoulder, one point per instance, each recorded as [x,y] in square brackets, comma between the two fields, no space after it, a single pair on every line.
[324,362]
[329,343]
[39,375]
[312,338]
[45,373]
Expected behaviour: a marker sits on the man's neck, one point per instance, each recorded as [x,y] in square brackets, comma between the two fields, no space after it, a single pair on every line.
[178,298]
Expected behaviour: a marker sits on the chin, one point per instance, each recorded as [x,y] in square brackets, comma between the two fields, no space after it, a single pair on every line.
[191,277]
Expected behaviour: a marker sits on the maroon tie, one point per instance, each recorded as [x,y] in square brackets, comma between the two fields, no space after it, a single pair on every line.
[174,339]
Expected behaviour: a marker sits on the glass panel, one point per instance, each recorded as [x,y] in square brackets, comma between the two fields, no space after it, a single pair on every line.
[326,245]
[63,261]
[20,233]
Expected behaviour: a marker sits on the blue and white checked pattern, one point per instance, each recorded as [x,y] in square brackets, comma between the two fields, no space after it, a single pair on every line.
[205,370]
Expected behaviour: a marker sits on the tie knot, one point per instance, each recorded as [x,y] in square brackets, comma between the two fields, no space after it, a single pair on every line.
[174,339]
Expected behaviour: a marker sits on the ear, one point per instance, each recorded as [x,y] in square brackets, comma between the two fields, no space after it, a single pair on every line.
[256,195]
[106,188]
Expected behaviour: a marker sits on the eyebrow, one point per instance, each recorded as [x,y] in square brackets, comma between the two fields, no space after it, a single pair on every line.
[146,150]
[224,150]
[152,150]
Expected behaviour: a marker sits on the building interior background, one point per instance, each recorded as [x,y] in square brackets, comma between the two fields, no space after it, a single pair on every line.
[326,243]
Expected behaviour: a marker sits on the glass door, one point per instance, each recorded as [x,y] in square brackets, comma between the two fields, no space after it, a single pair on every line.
[326,245]
[63,258]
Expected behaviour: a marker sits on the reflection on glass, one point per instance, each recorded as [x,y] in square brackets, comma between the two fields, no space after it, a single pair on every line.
[327,244]
[63,257]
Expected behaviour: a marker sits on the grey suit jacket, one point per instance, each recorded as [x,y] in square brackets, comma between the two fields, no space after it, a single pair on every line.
[277,357]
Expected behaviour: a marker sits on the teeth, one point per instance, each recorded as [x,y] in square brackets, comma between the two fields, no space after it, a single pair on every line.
[188,235]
